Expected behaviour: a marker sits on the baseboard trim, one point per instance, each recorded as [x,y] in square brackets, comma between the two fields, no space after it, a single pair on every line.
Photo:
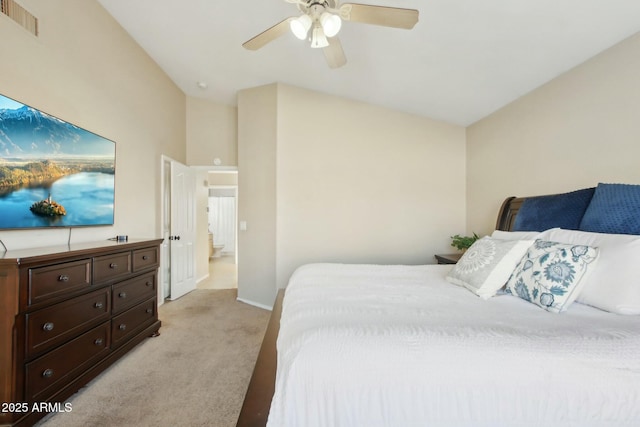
[255,304]
[205,277]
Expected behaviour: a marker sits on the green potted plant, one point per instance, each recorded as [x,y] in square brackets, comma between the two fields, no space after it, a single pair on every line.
[462,243]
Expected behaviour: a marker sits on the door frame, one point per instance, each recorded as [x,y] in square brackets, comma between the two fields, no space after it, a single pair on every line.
[165,177]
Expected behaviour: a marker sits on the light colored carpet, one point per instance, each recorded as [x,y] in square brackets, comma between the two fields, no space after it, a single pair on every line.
[194,374]
[223,274]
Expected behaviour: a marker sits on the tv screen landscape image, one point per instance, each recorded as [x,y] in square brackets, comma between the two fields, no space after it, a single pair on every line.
[52,173]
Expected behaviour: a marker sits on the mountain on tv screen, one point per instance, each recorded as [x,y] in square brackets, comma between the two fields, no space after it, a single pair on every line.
[52,173]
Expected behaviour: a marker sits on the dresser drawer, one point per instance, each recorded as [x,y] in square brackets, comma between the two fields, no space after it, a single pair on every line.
[58,366]
[132,321]
[53,325]
[133,291]
[111,267]
[58,279]
[145,258]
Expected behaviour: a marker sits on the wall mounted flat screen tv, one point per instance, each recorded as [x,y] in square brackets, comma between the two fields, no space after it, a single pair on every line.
[52,173]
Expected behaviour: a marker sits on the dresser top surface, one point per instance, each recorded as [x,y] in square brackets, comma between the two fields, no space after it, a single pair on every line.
[24,256]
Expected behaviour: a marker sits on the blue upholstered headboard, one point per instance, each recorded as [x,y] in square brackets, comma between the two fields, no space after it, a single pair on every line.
[607,208]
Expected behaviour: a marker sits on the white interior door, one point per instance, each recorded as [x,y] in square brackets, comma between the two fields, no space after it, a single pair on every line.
[182,239]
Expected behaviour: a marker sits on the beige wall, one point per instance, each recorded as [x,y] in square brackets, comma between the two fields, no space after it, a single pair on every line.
[358,183]
[211,133]
[257,139]
[105,83]
[223,178]
[579,129]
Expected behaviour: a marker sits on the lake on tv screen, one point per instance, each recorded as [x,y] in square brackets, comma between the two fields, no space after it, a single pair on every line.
[87,198]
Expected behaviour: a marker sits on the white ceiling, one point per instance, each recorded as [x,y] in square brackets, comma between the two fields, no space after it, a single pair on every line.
[463,60]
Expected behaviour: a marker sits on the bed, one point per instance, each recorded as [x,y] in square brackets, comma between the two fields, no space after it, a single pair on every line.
[374,345]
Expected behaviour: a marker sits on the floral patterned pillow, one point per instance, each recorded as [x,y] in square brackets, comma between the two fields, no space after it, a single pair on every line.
[485,267]
[551,274]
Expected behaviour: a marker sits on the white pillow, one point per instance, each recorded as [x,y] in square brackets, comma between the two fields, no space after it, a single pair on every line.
[519,235]
[486,266]
[614,284]
[551,274]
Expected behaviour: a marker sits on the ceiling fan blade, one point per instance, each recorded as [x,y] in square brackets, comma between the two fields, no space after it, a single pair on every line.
[334,53]
[268,35]
[379,15]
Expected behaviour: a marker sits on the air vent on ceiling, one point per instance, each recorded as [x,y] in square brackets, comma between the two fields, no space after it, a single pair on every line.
[19,14]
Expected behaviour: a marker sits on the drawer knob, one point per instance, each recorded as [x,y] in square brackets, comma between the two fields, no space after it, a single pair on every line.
[63,278]
[47,326]
[122,294]
[149,283]
[122,327]
[98,305]
[48,373]
[98,341]
[149,310]
[113,266]
[145,257]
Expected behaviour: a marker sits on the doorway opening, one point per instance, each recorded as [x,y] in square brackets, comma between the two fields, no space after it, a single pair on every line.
[222,230]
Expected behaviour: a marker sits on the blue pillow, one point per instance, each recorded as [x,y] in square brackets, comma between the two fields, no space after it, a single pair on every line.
[558,210]
[615,209]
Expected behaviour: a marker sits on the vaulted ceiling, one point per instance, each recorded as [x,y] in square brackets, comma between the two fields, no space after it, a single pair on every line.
[463,60]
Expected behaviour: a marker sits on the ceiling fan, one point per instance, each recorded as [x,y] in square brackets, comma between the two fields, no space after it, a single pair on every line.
[321,20]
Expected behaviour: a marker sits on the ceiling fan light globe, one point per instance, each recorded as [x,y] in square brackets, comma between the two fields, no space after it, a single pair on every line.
[331,24]
[300,26]
[318,39]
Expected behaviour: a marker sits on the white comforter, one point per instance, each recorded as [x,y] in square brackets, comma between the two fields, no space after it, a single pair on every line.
[367,345]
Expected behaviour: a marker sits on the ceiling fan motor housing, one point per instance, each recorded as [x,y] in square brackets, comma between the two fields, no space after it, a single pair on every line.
[316,7]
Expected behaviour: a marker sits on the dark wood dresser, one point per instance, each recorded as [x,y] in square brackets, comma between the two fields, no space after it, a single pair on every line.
[66,314]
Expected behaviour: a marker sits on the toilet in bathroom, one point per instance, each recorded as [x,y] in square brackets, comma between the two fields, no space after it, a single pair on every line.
[215,250]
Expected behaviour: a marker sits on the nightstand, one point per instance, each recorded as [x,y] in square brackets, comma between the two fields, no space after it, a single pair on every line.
[448,258]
